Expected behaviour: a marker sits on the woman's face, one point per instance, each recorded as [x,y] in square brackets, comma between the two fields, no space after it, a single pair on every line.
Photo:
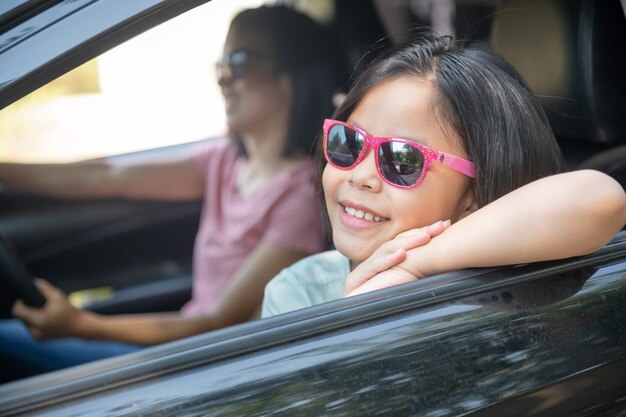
[403,107]
[259,97]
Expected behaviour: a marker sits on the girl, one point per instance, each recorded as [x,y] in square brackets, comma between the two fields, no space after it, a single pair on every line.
[434,134]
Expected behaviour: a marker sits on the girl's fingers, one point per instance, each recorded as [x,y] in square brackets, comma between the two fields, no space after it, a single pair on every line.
[406,242]
[444,225]
[411,232]
[381,263]
[392,253]
[433,230]
[389,278]
[438,228]
[372,267]
[418,237]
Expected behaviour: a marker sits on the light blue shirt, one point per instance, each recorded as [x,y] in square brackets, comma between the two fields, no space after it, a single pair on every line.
[313,280]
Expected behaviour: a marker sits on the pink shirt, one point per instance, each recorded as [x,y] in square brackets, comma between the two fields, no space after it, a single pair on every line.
[284,212]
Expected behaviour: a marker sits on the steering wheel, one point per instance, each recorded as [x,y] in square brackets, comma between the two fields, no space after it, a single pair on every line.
[16,282]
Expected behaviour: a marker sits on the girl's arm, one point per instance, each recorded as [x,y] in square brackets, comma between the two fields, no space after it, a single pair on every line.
[59,319]
[556,217]
[149,178]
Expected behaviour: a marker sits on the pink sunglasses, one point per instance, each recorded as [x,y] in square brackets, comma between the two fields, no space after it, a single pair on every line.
[400,162]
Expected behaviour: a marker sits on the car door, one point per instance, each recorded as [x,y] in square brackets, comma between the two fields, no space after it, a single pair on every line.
[542,339]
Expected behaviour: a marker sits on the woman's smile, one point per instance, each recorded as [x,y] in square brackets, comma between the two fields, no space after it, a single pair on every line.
[230,101]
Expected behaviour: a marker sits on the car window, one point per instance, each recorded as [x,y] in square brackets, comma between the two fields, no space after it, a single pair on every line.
[155,90]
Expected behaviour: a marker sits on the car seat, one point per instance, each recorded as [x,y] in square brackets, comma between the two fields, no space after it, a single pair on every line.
[571,54]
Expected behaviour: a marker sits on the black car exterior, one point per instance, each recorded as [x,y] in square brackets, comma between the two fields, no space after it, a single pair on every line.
[543,339]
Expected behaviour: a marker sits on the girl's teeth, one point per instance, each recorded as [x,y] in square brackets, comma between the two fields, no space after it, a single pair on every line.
[360,214]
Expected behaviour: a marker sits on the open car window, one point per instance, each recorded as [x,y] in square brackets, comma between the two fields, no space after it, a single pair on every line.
[154,90]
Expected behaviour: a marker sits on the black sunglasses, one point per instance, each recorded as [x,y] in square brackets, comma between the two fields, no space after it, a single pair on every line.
[235,64]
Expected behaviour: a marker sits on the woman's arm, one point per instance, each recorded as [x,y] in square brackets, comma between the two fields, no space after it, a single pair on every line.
[240,301]
[556,217]
[149,178]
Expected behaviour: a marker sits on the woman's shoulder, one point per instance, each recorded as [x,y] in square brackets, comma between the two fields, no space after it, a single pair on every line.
[298,182]
[212,146]
[301,170]
[214,154]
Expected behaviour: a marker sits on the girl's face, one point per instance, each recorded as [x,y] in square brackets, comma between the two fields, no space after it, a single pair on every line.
[257,95]
[402,107]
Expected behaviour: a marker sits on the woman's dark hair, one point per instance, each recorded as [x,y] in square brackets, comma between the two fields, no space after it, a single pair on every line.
[306,52]
[503,128]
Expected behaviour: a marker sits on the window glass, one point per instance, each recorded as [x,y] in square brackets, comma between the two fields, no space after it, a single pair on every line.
[155,90]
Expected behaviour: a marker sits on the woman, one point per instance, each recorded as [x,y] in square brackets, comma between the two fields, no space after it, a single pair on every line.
[259,213]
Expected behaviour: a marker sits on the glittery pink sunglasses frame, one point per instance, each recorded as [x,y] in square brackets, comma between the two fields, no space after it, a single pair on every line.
[458,164]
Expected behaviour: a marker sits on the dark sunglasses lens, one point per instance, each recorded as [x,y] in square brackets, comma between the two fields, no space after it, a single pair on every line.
[343,146]
[233,65]
[237,61]
[401,163]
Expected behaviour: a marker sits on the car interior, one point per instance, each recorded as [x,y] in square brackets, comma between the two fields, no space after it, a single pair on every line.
[120,256]
[562,49]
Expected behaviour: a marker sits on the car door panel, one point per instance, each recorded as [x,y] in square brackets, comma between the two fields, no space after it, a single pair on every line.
[455,344]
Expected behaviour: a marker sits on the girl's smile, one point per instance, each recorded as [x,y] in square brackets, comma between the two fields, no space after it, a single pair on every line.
[357,216]
[364,210]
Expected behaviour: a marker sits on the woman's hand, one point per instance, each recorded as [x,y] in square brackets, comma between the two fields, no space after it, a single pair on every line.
[57,318]
[380,271]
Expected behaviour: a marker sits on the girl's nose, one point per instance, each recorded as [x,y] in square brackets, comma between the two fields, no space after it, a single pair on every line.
[365,175]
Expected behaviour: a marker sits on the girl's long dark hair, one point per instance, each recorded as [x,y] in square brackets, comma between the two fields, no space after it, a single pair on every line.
[503,128]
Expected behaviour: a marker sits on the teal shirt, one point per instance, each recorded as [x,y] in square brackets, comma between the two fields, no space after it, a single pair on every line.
[313,280]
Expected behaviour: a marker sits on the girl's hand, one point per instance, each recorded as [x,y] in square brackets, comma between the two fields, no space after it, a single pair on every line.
[57,318]
[389,278]
[380,265]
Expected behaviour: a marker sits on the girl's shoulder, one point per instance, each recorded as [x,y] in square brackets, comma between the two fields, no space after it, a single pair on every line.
[313,280]
[317,270]
[321,268]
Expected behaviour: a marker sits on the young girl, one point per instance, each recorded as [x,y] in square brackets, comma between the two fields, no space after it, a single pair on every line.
[435,134]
